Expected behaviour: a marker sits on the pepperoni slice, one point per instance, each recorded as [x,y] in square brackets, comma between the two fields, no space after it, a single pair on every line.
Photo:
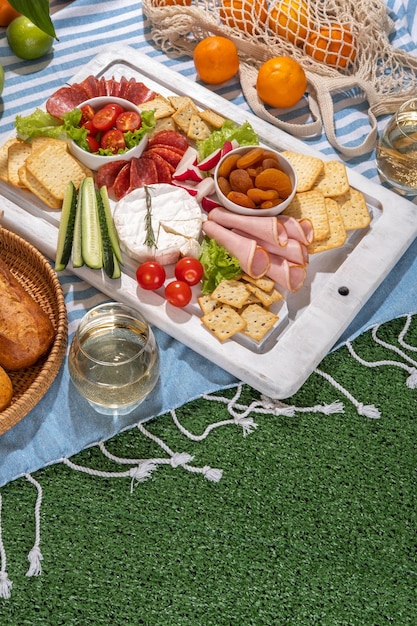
[142,172]
[165,146]
[169,155]
[171,138]
[164,169]
[121,184]
[107,174]
[65,99]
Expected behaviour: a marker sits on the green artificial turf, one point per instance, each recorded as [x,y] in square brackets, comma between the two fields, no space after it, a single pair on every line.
[313,521]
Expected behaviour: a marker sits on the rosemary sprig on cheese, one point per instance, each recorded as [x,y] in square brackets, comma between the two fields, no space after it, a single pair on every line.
[150,235]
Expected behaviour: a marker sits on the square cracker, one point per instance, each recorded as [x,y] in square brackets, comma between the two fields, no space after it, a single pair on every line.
[308,169]
[198,129]
[54,168]
[38,189]
[333,180]
[207,304]
[231,292]
[353,209]
[264,283]
[182,116]
[160,105]
[337,235]
[258,321]
[265,297]
[4,157]
[212,118]
[310,205]
[224,322]
[17,155]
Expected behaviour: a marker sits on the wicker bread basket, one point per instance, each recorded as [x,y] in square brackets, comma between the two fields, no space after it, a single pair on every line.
[37,276]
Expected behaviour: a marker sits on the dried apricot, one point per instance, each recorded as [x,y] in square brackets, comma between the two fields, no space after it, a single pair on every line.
[262,195]
[250,158]
[224,185]
[228,165]
[274,179]
[240,180]
[241,199]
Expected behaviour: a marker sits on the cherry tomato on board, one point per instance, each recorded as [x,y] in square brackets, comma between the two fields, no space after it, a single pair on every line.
[93,144]
[189,270]
[113,140]
[128,121]
[105,118]
[150,275]
[178,293]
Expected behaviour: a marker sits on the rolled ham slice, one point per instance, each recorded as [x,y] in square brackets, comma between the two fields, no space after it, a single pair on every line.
[253,259]
[285,274]
[265,228]
[302,229]
[295,251]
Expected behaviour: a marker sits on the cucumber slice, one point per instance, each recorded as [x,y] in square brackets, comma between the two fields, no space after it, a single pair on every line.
[66,228]
[111,229]
[91,244]
[116,267]
[107,249]
[77,257]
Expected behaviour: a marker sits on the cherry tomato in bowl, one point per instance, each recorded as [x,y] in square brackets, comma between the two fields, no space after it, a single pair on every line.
[178,293]
[113,140]
[150,275]
[128,121]
[189,270]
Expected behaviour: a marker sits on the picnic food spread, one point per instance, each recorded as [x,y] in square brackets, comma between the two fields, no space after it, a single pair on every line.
[165,207]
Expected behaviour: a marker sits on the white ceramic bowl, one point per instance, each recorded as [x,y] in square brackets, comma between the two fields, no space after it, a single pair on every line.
[286,167]
[95,161]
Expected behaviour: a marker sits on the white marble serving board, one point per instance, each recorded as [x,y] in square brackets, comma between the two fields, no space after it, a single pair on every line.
[317,314]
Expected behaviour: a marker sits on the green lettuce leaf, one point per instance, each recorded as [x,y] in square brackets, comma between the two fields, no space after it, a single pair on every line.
[244,135]
[218,265]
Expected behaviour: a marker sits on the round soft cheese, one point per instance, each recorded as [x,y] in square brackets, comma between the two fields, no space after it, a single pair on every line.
[169,215]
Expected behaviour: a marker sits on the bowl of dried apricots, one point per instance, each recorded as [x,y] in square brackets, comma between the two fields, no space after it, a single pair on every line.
[255,180]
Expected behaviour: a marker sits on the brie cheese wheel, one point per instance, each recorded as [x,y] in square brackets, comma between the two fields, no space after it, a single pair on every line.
[170,214]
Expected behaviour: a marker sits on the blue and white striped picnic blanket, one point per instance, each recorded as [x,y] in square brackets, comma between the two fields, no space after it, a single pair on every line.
[62,424]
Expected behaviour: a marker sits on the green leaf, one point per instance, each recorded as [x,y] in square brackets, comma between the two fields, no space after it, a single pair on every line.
[37,12]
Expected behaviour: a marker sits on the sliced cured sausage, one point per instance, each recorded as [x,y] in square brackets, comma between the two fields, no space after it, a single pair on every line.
[138,92]
[121,185]
[253,259]
[163,168]
[171,156]
[91,86]
[106,174]
[169,138]
[65,99]
[142,172]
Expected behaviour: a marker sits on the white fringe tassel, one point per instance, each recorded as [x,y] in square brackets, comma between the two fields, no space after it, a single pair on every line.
[35,556]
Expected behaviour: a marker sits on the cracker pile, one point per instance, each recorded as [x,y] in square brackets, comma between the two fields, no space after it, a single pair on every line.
[180,113]
[240,306]
[325,197]
[44,167]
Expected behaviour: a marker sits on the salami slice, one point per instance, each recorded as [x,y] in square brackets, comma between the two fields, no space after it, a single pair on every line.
[65,99]
[166,146]
[123,87]
[164,169]
[91,86]
[171,138]
[138,93]
[107,174]
[169,155]
[122,183]
[142,172]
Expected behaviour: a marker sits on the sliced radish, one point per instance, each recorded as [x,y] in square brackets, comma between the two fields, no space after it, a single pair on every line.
[188,160]
[205,188]
[191,173]
[207,204]
[227,147]
[192,189]
[211,161]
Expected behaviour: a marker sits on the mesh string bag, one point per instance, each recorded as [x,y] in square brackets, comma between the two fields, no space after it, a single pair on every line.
[342,45]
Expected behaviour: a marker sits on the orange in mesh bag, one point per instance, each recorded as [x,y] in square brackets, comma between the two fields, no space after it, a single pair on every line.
[342,45]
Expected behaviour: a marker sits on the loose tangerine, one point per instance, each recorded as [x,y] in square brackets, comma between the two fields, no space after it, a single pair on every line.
[332,45]
[216,59]
[244,14]
[7,13]
[290,19]
[281,82]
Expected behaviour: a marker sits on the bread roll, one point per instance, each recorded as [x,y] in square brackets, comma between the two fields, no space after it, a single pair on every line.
[26,332]
[6,390]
